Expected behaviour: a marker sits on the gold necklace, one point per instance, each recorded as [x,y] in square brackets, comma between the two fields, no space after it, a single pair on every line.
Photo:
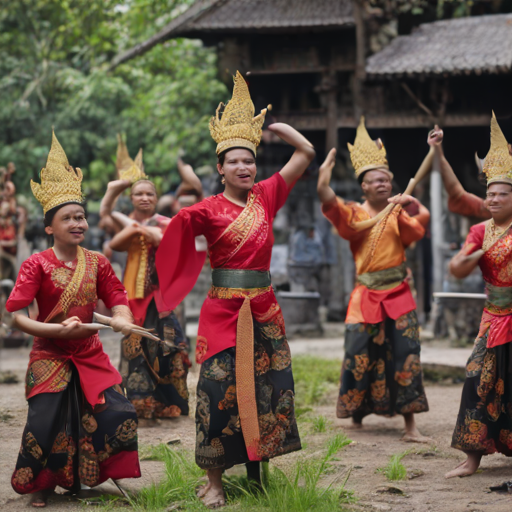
[493,233]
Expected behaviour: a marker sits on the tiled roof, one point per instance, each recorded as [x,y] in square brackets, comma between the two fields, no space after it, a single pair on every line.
[218,16]
[479,44]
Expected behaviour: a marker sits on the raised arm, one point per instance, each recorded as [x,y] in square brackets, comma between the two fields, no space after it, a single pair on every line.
[114,190]
[189,179]
[325,192]
[301,158]
[451,183]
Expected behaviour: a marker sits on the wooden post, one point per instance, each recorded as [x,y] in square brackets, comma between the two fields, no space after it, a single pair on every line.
[360,72]
[331,136]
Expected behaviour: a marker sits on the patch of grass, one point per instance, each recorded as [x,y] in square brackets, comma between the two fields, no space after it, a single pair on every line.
[303,487]
[182,478]
[107,502]
[5,415]
[298,489]
[395,470]
[320,424]
[314,377]
[8,377]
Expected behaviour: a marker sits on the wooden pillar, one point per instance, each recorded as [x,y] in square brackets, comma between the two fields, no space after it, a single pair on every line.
[360,72]
[331,136]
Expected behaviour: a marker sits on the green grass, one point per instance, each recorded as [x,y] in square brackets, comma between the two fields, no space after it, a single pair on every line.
[395,470]
[298,489]
[320,424]
[182,476]
[309,484]
[5,415]
[314,378]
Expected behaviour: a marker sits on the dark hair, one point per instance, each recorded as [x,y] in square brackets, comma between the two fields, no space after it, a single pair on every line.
[482,179]
[361,177]
[50,214]
[222,156]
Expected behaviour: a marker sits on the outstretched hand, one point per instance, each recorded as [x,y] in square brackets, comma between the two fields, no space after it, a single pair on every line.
[435,136]
[119,185]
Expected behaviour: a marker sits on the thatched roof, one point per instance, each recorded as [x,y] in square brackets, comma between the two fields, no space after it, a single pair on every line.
[479,44]
[236,16]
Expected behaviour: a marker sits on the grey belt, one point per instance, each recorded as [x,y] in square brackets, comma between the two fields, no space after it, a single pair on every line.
[233,278]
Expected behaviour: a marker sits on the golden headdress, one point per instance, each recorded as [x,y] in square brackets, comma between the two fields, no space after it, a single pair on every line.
[60,183]
[128,169]
[497,165]
[367,154]
[238,128]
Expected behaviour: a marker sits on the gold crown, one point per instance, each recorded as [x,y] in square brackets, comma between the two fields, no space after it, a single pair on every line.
[367,154]
[498,162]
[127,169]
[60,183]
[238,127]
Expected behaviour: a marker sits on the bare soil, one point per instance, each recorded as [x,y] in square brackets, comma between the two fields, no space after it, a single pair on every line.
[371,449]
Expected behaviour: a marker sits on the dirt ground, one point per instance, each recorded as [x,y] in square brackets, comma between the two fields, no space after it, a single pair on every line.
[371,449]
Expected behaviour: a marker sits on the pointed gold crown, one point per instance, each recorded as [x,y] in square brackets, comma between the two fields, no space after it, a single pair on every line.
[366,153]
[128,169]
[497,165]
[238,128]
[60,183]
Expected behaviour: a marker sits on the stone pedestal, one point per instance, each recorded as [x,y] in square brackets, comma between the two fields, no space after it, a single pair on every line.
[300,312]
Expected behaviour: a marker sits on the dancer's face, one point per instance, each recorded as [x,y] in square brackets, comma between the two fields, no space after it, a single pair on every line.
[499,201]
[239,169]
[68,225]
[376,185]
[144,197]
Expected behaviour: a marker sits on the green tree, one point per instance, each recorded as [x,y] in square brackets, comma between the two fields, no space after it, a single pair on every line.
[54,57]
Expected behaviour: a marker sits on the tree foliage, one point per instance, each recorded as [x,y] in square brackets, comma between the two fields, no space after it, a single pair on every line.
[53,73]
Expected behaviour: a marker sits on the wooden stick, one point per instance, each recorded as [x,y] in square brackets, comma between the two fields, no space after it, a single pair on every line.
[423,170]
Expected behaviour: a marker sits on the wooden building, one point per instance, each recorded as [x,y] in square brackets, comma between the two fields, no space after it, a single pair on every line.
[309,59]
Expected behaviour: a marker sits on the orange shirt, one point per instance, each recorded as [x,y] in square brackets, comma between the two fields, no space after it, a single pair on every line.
[379,248]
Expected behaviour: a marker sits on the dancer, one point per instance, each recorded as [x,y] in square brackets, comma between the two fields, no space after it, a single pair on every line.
[189,191]
[154,374]
[459,200]
[484,423]
[245,393]
[381,372]
[80,427]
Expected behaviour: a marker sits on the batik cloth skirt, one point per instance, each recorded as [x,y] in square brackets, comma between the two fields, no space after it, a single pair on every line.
[155,374]
[381,371]
[66,442]
[219,437]
[484,422]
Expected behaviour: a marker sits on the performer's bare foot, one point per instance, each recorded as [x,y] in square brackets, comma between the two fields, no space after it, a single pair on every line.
[412,434]
[466,468]
[202,490]
[213,496]
[40,499]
